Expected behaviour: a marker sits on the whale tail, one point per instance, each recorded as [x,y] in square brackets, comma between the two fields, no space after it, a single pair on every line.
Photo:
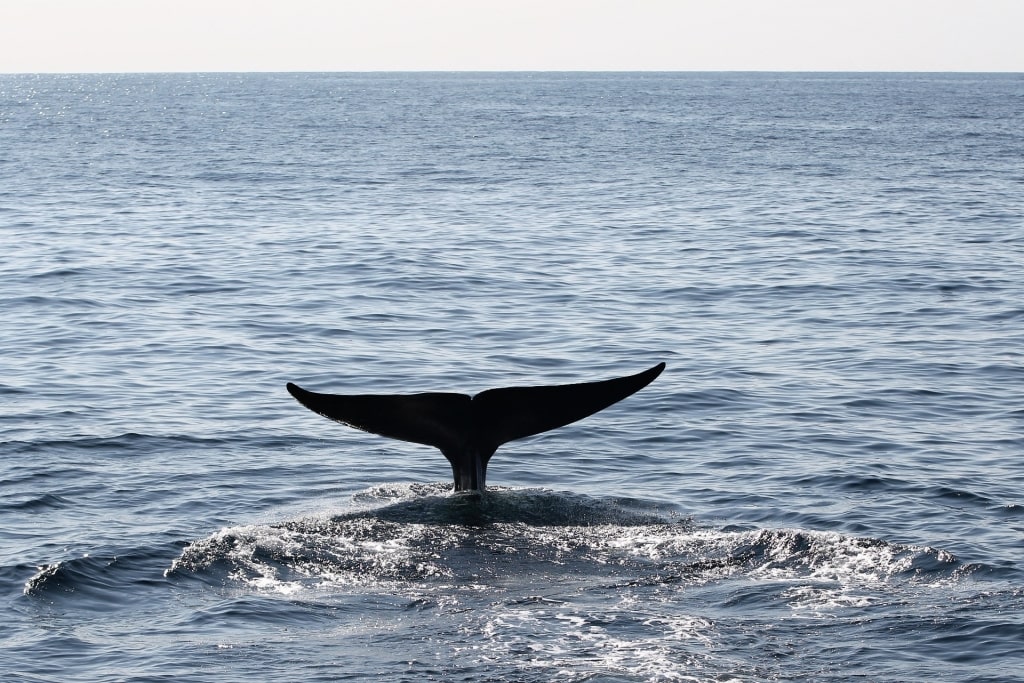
[468,430]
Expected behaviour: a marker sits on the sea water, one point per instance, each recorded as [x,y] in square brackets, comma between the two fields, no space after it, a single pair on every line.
[825,484]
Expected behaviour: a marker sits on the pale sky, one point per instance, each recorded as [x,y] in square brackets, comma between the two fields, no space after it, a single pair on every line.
[361,35]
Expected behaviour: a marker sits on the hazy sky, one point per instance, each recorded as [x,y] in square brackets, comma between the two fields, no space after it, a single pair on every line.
[356,35]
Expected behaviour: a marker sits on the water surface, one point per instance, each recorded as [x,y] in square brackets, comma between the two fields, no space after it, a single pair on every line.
[824,485]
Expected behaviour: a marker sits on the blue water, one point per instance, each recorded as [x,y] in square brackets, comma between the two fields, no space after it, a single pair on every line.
[825,484]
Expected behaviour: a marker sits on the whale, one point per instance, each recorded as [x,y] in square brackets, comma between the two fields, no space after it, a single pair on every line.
[469,429]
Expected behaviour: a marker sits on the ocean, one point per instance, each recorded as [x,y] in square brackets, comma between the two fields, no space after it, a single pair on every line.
[825,484]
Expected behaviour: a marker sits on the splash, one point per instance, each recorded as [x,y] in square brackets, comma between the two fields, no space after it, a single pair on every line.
[397,538]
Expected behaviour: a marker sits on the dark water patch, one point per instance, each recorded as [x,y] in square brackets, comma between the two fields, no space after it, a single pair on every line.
[957,288]
[108,445]
[34,503]
[858,483]
[1009,371]
[97,582]
[261,608]
[41,655]
[31,477]
[960,497]
[14,574]
[69,303]
[708,399]
[970,640]
[1011,510]
[136,443]
[197,285]
[60,273]
[500,505]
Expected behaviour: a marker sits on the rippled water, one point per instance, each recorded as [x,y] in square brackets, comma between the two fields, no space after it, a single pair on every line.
[825,484]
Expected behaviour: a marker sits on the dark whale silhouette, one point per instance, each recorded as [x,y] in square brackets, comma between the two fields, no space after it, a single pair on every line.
[468,430]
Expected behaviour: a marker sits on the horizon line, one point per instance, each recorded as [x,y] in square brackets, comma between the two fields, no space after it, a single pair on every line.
[507,71]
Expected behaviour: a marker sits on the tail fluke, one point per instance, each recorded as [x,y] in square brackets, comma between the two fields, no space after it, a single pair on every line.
[434,419]
[469,430]
[503,415]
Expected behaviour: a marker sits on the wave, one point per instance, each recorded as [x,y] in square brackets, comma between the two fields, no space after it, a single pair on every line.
[35,502]
[101,581]
[400,536]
